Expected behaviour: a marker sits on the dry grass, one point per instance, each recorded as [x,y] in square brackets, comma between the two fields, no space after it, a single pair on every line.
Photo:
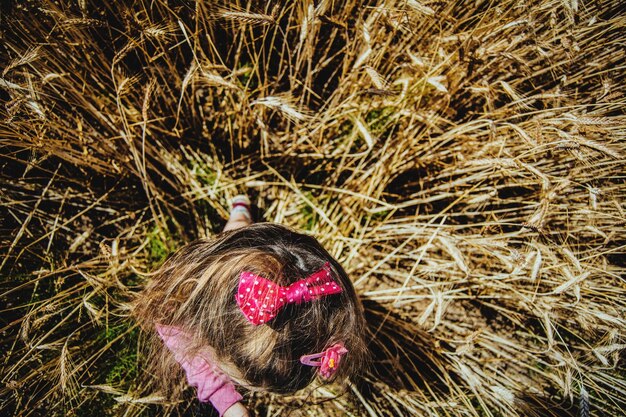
[463,160]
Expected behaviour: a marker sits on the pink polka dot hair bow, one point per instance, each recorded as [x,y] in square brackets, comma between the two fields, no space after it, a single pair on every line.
[260,299]
[328,359]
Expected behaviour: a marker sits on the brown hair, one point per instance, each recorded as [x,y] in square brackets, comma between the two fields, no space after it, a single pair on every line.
[195,290]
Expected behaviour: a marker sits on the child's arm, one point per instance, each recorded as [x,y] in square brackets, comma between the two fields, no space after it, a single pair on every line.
[236,410]
[213,386]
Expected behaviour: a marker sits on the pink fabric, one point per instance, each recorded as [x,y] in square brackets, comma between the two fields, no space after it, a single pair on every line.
[201,371]
[260,299]
[329,362]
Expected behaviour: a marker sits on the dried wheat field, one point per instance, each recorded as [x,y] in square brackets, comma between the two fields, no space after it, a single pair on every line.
[464,161]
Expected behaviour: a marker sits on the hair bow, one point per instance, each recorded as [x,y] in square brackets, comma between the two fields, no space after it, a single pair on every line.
[260,299]
[329,362]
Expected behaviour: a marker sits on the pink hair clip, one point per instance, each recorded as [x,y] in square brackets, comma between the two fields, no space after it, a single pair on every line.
[329,362]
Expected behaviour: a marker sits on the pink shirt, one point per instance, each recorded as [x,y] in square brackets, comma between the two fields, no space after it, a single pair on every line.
[213,386]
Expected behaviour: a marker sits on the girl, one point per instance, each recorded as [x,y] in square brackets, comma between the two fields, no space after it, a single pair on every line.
[260,306]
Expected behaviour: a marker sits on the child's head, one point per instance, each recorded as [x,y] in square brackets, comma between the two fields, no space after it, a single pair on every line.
[196,289]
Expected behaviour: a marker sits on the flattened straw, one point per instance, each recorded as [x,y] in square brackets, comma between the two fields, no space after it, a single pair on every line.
[418,260]
[28,219]
[398,249]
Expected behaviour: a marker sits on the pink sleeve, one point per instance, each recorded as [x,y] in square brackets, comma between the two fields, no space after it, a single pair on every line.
[212,384]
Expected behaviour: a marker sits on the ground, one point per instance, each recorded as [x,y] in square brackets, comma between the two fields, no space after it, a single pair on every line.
[463,160]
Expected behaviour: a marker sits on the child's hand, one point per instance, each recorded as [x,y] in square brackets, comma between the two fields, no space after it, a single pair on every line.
[236,410]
